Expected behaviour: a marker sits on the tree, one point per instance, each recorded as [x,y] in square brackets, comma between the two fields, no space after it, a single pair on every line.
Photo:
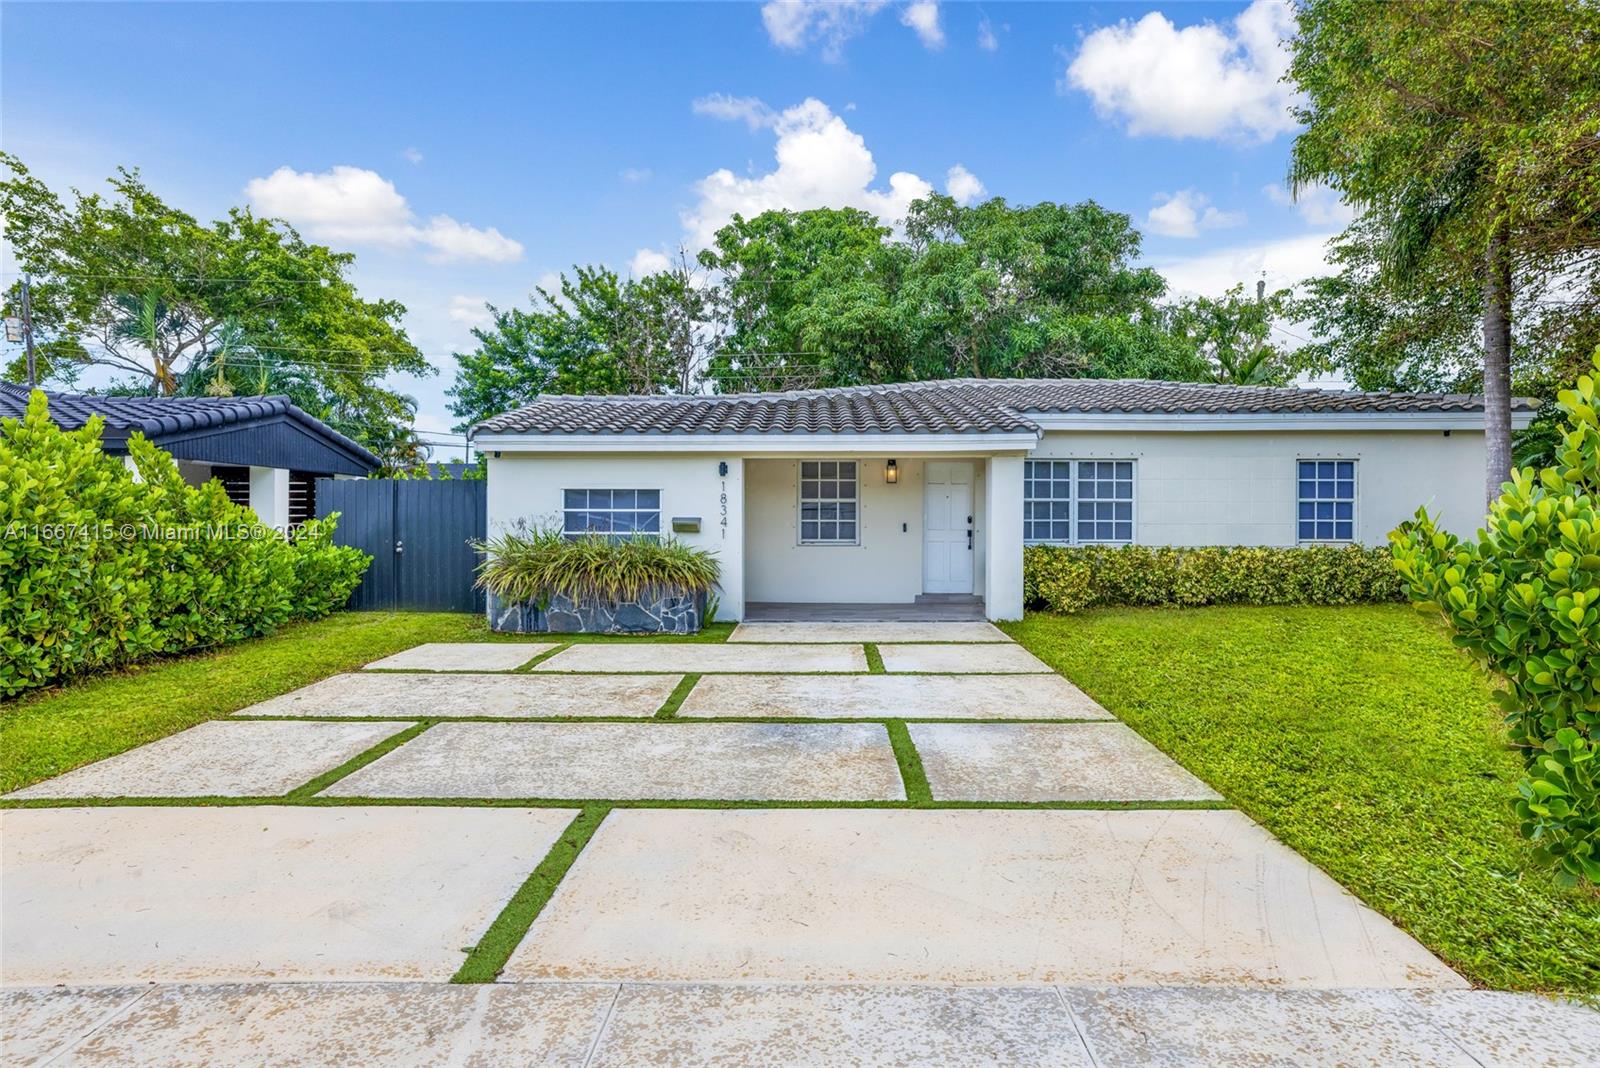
[1234,334]
[599,334]
[807,299]
[131,283]
[1466,136]
[995,291]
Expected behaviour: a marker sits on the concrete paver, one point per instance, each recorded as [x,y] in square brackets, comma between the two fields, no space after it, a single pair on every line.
[287,1025]
[958,659]
[1145,1028]
[721,761]
[1049,762]
[310,1025]
[784,1025]
[224,758]
[425,696]
[705,658]
[463,656]
[1135,897]
[793,633]
[38,1023]
[119,895]
[891,696]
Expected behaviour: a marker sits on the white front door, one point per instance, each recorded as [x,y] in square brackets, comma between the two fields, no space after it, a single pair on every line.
[947,527]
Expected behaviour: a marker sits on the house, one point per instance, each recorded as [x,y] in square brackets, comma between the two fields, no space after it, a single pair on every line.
[267,453]
[928,491]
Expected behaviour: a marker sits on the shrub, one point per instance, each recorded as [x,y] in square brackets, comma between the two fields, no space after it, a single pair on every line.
[1063,579]
[98,568]
[540,563]
[1524,599]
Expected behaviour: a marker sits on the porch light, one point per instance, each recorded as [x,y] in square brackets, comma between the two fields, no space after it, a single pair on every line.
[891,473]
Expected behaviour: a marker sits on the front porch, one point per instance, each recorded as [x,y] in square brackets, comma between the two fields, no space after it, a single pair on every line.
[928,608]
[870,538]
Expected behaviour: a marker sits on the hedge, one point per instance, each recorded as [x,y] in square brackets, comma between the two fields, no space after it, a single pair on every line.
[99,568]
[1523,597]
[1062,579]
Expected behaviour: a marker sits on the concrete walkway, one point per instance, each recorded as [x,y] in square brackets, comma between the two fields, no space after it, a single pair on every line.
[1016,876]
[599,1025]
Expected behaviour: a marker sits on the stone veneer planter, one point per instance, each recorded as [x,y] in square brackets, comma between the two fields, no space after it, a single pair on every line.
[659,611]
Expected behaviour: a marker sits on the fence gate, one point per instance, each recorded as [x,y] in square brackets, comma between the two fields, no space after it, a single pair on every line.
[419,535]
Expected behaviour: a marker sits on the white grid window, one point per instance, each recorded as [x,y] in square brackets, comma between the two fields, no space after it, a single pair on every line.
[614,512]
[1327,500]
[828,502]
[1077,502]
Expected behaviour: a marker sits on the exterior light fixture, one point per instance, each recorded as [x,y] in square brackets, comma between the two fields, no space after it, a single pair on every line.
[891,473]
[722,468]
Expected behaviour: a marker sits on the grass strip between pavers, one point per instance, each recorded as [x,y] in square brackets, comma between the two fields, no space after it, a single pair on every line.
[874,658]
[359,761]
[488,958]
[918,792]
[223,801]
[669,707]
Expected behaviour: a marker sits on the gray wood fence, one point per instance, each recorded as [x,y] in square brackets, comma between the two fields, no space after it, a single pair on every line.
[419,534]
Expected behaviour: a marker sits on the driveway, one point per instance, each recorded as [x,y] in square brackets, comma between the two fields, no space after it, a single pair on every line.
[913,838]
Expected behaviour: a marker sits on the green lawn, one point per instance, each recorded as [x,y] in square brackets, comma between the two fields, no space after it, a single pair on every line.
[1361,738]
[53,731]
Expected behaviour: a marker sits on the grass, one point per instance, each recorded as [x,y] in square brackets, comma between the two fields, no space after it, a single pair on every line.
[52,731]
[1366,742]
[486,959]
[918,792]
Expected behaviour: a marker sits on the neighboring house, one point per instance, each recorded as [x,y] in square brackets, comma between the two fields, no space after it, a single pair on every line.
[267,453]
[884,494]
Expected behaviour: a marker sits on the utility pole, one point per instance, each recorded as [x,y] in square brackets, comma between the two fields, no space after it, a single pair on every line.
[27,331]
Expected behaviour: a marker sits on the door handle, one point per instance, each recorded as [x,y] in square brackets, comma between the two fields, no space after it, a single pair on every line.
[969,539]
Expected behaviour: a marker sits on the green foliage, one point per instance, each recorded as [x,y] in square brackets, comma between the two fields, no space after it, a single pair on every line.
[1364,742]
[239,306]
[598,334]
[1234,333]
[1525,600]
[1065,579]
[98,568]
[537,564]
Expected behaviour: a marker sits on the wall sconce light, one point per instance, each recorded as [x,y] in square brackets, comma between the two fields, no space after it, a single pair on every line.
[722,468]
[891,472]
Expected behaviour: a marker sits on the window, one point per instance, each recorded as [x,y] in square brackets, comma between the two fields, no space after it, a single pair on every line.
[1327,500]
[1077,502]
[619,513]
[828,502]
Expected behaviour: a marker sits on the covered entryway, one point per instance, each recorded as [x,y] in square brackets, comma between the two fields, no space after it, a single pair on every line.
[947,527]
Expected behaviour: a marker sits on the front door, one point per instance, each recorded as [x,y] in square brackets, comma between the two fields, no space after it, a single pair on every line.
[947,527]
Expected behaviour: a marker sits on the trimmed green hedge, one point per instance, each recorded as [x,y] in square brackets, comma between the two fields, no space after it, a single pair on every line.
[1062,579]
[99,568]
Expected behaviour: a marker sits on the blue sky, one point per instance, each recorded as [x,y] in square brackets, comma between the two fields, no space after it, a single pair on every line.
[466,152]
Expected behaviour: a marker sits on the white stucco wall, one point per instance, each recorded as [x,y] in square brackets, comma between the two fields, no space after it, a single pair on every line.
[1236,488]
[885,567]
[527,488]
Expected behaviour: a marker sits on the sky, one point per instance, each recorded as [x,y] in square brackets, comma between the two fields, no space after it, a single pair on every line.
[469,152]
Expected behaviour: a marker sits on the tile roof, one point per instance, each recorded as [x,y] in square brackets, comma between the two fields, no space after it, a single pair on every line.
[161,417]
[965,405]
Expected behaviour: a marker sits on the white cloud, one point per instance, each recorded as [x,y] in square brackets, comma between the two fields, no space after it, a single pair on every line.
[1206,81]
[963,185]
[746,109]
[821,162]
[923,18]
[1187,212]
[795,24]
[986,37]
[470,312]
[1317,204]
[352,205]
[636,175]
[648,261]
[1283,263]
[412,155]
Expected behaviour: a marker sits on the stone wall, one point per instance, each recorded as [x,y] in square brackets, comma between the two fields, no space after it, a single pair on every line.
[653,612]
